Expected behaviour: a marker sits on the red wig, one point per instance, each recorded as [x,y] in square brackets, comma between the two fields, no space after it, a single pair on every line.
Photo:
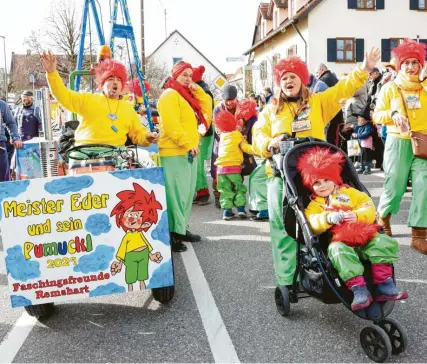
[198,73]
[134,86]
[410,49]
[139,200]
[107,68]
[319,163]
[292,64]
[246,110]
[225,121]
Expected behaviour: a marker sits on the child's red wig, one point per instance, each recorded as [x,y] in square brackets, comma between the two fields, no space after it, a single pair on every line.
[246,110]
[225,122]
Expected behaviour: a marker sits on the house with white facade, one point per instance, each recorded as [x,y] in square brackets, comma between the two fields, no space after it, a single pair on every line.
[334,32]
[176,48]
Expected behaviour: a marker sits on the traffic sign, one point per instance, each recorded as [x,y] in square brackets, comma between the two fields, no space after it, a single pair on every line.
[235,59]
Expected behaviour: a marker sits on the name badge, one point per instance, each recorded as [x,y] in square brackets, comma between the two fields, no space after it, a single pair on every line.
[413,102]
[301,125]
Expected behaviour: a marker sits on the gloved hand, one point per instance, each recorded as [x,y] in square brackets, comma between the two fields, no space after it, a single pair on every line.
[334,218]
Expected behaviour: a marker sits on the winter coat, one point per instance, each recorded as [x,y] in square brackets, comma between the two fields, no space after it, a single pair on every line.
[355,105]
[364,131]
[329,78]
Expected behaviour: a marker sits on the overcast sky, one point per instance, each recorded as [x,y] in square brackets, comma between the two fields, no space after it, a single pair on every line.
[218,28]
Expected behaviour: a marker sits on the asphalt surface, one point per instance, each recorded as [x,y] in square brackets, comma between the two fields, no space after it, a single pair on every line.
[223,309]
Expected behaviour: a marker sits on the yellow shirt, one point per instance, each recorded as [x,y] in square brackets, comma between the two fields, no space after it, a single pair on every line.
[131,241]
[95,126]
[230,153]
[347,197]
[178,122]
[323,107]
[389,100]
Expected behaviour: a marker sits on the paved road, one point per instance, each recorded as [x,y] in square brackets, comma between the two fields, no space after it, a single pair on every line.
[223,310]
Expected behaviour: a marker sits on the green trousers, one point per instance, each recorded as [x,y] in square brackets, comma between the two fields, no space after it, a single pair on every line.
[284,247]
[205,154]
[346,260]
[232,190]
[399,164]
[180,182]
[258,188]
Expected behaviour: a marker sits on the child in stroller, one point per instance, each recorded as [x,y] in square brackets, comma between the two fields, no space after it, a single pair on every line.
[321,276]
[349,215]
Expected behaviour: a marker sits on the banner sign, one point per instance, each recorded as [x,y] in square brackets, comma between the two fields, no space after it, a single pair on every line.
[92,235]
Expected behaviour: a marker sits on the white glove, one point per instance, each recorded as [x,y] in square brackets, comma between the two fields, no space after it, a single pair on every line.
[334,218]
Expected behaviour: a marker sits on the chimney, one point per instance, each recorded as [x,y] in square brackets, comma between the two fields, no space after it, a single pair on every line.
[28,52]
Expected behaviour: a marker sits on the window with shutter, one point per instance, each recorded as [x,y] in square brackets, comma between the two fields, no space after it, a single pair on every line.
[366,4]
[346,50]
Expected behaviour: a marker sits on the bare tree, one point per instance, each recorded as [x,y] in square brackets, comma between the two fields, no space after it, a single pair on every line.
[155,73]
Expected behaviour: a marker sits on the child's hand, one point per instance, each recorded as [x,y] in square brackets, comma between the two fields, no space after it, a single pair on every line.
[116,267]
[153,137]
[350,217]
[156,257]
[334,218]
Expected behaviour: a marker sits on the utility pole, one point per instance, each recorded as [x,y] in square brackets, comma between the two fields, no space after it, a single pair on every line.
[142,38]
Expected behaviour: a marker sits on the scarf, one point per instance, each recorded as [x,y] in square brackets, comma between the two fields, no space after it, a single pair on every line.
[408,82]
[189,97]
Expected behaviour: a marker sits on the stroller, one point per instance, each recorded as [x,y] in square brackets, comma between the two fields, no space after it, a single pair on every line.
[318,278]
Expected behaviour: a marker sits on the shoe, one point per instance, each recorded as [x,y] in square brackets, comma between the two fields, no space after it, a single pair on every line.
[241,212]
[387,291]
[261,216]
[228,214]
[384,222]
[177,246]
[253,213]
[362,298]
[367,171]
[419,239]
[203,200]
[217,203]
[360,170]
[356,165]
[188,237]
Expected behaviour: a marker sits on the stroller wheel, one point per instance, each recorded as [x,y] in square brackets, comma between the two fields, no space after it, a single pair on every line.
[281,297]
[396,334]
[376,343]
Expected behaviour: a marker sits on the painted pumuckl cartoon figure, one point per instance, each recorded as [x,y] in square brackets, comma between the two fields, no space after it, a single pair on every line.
[135,213]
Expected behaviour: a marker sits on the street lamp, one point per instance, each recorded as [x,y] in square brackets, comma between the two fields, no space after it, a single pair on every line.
[5,66]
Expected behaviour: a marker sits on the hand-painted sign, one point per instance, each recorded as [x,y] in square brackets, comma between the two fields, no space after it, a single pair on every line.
[77,237]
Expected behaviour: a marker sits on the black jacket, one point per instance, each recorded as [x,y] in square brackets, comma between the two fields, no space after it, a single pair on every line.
[329,78]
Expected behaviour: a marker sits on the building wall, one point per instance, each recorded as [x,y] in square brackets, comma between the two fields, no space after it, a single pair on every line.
[177,47]
[278,45]
[332,18]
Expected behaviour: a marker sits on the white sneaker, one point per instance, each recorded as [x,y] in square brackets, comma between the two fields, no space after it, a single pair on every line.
[356,165]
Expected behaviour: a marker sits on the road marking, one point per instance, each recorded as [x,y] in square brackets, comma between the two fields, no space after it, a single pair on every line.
[412,280]
[220,342]
[239,238]
[16,337]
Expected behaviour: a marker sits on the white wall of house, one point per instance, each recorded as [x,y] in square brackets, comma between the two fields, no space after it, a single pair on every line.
[332,19]
[280,44]
[177,47]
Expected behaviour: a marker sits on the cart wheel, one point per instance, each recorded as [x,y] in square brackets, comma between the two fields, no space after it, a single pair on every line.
[163,294]
[376,343]
[283,305]
[396,334]
[42,311]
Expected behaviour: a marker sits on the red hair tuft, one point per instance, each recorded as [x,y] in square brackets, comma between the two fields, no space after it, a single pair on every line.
[319,163]
[292,64]
[110,67]
[246,110]
[140,200]
[134,86]
[354,234]
[225,121]
[410,49]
